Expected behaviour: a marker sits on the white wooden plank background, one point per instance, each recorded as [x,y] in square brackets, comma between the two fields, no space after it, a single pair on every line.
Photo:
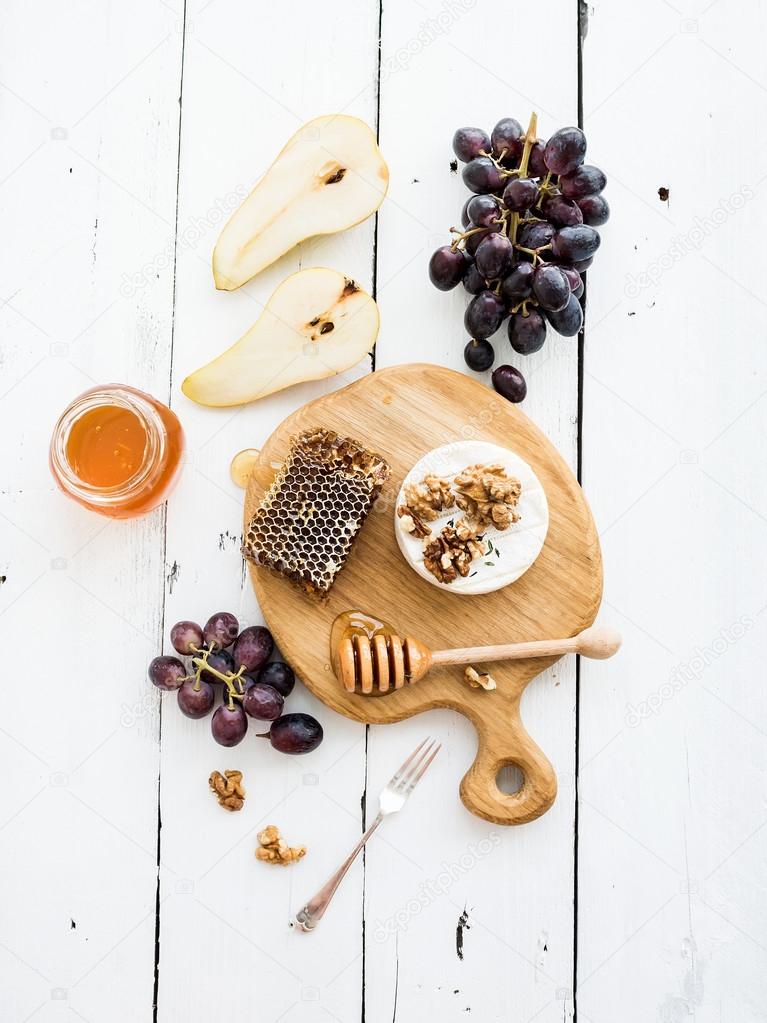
[129,135]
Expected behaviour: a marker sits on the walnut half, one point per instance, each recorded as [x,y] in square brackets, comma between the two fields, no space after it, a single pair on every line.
[452,552]
[272,848]
[488,495]
[478,679]
[412,523]
[427,498]
[229,789]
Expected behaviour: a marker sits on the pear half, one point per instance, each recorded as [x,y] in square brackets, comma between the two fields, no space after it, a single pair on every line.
[316,323]
[330,176]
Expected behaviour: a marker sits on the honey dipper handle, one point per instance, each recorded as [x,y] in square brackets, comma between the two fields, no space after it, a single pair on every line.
[597,641]
[504,652]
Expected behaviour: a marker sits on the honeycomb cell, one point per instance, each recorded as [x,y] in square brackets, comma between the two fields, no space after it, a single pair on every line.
[310,517]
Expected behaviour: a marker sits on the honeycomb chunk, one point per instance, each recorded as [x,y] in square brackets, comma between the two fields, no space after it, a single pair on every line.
[310,517]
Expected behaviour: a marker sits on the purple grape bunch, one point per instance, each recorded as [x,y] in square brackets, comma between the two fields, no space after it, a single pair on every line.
[529,234]
[221,656]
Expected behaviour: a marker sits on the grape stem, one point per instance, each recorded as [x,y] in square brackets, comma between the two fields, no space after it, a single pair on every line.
[463,235]
[498,162]
[523,306]
[531,137]
[228,678]
[535,253]
[512,229]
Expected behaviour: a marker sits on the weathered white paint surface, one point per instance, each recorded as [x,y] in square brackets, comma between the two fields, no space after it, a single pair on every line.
[664,891]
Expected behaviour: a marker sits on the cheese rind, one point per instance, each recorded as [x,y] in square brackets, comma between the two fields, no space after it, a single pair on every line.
[510,551]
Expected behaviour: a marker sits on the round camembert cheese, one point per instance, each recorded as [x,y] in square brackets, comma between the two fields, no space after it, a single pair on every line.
[509,552]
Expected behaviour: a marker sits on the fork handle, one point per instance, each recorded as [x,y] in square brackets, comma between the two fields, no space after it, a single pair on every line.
[311,914]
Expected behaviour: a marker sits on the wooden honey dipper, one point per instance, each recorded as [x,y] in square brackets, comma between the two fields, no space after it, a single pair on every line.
[385,662]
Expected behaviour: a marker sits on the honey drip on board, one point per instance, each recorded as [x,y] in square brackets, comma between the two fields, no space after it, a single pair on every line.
[247,462]
[356,623]
[106,446]
[242,465]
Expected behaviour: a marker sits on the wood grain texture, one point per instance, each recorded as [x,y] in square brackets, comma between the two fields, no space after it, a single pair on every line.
[405,412]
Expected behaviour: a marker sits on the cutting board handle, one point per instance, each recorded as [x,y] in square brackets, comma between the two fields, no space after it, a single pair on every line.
[499,746]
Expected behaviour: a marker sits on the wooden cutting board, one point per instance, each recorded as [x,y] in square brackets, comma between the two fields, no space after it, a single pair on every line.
[402,413]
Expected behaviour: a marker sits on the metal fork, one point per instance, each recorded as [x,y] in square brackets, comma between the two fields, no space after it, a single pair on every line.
[391,800]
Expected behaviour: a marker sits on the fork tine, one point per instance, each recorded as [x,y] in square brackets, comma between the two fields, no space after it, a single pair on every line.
[413,780]
[404,781]
[401,769]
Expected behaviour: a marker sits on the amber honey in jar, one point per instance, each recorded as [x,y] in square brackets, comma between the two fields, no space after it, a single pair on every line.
[116,451]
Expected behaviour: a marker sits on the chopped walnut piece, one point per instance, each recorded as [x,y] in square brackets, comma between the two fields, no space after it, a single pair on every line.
[413,523]
[272,848]
[427,498]
[478,680]
[488,495]
[452,552]
[229,789]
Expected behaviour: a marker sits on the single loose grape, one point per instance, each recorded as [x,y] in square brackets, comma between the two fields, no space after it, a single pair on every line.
[484,315]
[509,383]
[527,333]
[551,287]
[279,675]
[507,141]
[469,143]
[295,733]
[586,180]
[221,630]
[482,176]
[263,702]
[446,267]
[479,355]
[186,637]
[483,210]
[519,283]
[520,194]
[494,256]
[166,673]
[567,321]
[565,150]
[535,235]
[561,212]
[252,648]
[195,703]
[594,209]
[572,244]
[229,725]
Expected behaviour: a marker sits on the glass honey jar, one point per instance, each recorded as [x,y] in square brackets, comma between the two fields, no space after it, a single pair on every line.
[117,451]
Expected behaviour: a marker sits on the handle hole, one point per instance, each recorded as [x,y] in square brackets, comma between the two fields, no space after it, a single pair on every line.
[510,779]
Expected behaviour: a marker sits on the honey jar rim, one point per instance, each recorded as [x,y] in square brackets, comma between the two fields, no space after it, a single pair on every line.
[123,396]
